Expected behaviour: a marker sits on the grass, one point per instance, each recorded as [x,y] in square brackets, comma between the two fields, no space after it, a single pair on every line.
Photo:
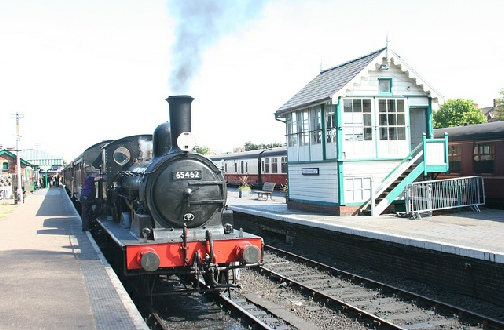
[6,207]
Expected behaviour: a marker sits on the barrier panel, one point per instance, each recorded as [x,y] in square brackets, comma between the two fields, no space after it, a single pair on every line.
[427,196]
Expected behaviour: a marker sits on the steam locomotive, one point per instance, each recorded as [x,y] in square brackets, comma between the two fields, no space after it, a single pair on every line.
[164,206]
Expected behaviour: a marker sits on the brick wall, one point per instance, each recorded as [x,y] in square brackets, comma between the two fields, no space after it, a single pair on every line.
[12,164]
[327,209]
[462,275]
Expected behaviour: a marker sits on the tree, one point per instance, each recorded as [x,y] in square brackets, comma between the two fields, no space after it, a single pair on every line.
[500,106]
[457,112]
[251,146]
[202,150]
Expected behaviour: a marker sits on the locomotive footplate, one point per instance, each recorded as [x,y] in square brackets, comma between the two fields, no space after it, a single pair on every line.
[226,248]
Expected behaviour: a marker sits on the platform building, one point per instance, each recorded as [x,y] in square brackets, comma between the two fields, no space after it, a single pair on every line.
[354,129]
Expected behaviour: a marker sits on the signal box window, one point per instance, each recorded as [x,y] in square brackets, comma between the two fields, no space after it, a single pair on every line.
[385,86]
[357,189]
[284,165]
[292,130]
[357,119]
[484,158]
[391,119]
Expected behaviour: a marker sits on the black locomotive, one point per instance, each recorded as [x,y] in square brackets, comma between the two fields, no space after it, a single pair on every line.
[165,206]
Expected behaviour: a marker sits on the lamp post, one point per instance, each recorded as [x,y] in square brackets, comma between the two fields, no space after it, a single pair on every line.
[19,190]
[259,167]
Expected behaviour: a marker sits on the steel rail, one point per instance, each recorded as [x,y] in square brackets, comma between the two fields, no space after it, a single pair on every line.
[486,322]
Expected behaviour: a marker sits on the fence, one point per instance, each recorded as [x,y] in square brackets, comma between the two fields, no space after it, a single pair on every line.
[427,196]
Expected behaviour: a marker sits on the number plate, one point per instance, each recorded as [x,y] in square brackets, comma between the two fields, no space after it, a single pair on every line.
[187,175]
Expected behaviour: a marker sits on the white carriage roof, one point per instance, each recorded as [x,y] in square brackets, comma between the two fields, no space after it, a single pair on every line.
[334,82]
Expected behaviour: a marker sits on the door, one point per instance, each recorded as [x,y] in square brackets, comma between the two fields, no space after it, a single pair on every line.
[418,125]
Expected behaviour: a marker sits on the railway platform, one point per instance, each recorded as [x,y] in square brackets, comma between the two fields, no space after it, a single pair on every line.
[462,232]
[53,275]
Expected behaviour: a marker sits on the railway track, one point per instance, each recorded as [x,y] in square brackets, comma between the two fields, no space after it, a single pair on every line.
[363,302]
[371,302]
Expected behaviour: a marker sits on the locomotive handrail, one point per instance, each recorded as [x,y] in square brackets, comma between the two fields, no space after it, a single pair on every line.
[208,202]
[205,183]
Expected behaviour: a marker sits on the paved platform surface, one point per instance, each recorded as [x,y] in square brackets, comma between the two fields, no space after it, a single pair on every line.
[52,275]
[462,232]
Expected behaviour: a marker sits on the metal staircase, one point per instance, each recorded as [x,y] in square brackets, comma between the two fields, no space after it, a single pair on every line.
[411,167]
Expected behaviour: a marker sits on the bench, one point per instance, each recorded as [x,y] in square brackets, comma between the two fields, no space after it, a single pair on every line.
[266,190]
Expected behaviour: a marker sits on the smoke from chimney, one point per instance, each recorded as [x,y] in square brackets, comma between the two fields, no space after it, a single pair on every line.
[200,24]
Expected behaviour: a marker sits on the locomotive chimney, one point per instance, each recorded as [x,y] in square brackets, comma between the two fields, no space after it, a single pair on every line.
[180,117]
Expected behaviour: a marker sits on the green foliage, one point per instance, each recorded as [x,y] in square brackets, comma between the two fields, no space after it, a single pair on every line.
[251,146]
[500,106]
[202,150]
[457,112]
[244,185]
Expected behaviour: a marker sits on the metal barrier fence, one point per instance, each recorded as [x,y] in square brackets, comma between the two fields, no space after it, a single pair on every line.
[427,196]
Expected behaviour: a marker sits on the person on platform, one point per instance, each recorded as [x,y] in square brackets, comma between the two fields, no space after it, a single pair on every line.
[88,199]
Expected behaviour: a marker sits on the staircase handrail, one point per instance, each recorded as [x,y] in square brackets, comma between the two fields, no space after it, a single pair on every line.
[406,159]
[412,157]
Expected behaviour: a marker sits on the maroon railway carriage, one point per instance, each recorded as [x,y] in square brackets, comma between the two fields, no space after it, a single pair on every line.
[477,150]
[260,166]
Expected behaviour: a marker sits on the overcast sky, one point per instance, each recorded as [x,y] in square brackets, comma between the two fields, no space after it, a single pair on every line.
[83,71]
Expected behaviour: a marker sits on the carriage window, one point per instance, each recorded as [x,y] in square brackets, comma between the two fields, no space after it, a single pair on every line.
[266,165]
[5,166]
[483,158]
[454,158]
[274,165]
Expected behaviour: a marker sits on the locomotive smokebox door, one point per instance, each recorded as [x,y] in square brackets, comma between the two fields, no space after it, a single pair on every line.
[186,189]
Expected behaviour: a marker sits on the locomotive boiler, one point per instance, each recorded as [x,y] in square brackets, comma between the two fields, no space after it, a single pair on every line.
[169,207]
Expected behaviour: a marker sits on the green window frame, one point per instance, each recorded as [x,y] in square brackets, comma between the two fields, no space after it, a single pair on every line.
[357,120]
[391,120]
[385,86]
